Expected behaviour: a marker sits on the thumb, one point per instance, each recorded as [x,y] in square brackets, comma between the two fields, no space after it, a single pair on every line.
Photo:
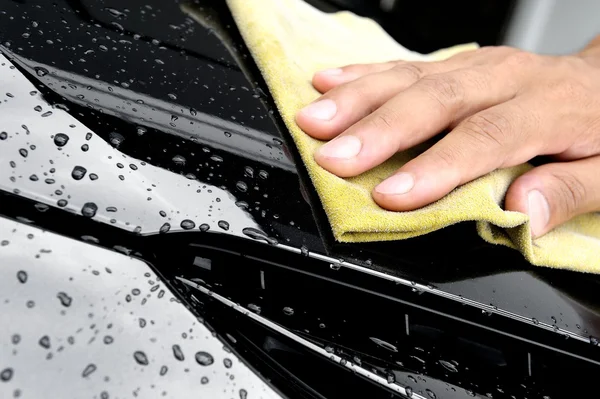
[554,193]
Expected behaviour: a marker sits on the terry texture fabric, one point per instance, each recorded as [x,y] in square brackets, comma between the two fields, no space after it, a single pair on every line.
[290,40]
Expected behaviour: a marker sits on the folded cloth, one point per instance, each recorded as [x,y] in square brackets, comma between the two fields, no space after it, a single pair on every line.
[291,40]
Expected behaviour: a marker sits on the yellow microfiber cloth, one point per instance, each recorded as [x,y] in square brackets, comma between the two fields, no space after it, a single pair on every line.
[291,40]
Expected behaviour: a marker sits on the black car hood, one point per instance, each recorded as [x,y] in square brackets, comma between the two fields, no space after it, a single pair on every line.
[185,139]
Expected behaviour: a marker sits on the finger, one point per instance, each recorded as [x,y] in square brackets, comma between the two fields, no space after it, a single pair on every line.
[346,104]
[327,79]
[494,138]
[413,116]
[554,193]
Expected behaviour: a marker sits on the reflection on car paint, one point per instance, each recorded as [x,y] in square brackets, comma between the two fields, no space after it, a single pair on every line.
[77,320]
[117,194]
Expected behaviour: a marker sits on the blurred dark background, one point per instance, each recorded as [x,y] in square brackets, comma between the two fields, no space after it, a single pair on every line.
[426,26]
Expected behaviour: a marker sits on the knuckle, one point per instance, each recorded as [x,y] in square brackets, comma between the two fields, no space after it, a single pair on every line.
[413,71]
[383,119]
[448,156]
[570,192]
[489,128]
[446,89]
[522,59]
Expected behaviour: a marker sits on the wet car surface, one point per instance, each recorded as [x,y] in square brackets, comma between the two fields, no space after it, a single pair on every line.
[137,138]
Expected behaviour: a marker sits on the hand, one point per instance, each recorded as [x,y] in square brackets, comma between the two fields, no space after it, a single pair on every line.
[502,107]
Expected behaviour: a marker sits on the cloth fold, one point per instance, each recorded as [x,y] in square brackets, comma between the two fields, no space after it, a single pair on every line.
[290,40]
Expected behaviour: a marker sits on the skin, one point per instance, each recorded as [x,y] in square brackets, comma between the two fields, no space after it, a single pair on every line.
[501,106]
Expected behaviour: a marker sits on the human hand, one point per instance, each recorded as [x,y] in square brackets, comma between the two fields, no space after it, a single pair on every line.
[502,107]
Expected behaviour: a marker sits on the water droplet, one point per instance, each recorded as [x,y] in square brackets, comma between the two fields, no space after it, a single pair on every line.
[204,227]
[89,369]
[448,366]
[204,380]
[159,61]
[93,176]
[335,266]
[243,394]
[255,308]
[263,174]
[30,304]
[3,135]
[22,276]
[179,160]
[85,147]
[223,224]
[535,321]
[384,344]
[188,224]
[204,358]
[142,322]
[164,228]
[61,139]
[141,358]
[136,291]
[227,134]
[594,341]
[45,342]
[172,96]
[6,374]
[115,139]
[41,71]
[288,311]
[108,340]
[37,108]
[242,204]
[216,158]
[114,12]
[430,394]
[46,114]
[553,319]
[193,112]
[258,235]
[408,391]
[64,299]
[88,136]
[391,378]
[89,209]
[78,172]
[104,395]
[227,363]
[62,203]
[240,185]
[16,338]
[23,152]
[178,353]
[50,181]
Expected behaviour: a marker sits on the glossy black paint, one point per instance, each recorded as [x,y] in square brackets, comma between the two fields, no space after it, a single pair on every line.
[197,68]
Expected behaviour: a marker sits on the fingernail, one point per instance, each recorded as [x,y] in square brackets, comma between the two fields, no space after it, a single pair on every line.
[397,184]
[331,72]
[323,110]
[539,212]
[343,147]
